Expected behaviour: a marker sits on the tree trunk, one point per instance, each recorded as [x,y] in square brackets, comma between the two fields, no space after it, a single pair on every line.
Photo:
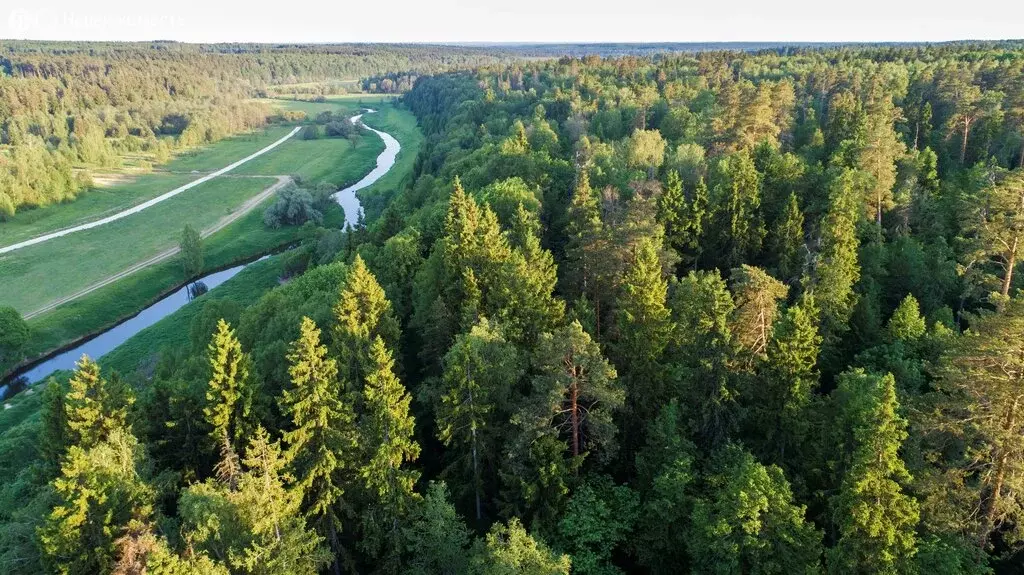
[917,133]
[574,414]
[993,502]
[963,144]
[1020,162]
[1011,260]
[332,534]
[476,469]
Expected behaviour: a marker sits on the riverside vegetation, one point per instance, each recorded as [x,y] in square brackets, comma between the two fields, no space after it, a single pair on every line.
[720,312]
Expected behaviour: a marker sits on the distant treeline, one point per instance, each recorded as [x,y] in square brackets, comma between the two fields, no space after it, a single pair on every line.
[71,105]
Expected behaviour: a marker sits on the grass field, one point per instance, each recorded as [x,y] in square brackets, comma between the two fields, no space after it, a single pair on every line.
[102,201]
[323,160]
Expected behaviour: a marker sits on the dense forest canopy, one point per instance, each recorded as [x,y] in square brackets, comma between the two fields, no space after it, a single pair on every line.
[721,312]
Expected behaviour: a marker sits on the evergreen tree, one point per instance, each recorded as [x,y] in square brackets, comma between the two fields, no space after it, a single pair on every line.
[672,210]
[436,540]
[510,550]
[228,396]
[703,351]
[387,439]
[256,526]
[362,313]
[906,323]
[55,434]
[788,247]
[101,494]
[875,519]
[480,372]
[747,521]
[996,221]
[322,442]
[584,228]
[665,477]
[980,379]
[95,408]
[756,295]
[790,378]
[575,393]
[737,202]
[837,270]
[644,329]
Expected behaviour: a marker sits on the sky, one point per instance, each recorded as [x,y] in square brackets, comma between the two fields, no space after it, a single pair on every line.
[513,20]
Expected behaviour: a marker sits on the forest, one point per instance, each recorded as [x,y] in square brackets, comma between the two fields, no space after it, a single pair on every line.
[717,313]
[67,107]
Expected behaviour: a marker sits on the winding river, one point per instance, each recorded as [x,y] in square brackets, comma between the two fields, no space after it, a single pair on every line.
[101,344]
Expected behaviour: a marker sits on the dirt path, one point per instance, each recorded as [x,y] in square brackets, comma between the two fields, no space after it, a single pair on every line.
[147,203]
[242,210]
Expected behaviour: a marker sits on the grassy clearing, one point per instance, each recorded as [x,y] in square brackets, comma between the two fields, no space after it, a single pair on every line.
[331,160]
[41,273]
[173,331]
[104,200]
[216,156]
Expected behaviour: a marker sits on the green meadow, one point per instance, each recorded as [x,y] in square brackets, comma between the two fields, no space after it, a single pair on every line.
[102,201]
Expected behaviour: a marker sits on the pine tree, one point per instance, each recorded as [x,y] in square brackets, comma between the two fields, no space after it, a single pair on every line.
[227,395]
[980,378]
[94,409]
[322,442]
[996,222]
[575,392]
[756,295]
[363,313]
[875,519]
[480,372]
[879,146]
[387,438]
[644,329]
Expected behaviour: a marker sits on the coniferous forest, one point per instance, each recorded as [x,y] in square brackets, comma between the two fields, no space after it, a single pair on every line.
[714,313]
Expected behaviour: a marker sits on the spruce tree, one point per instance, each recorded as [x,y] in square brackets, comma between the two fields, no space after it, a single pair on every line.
[94,408]
[480,372]
[322,441]
[362,313]
[837,269]
[387,430]
[875,519]
[227,395]
[644,330]
[788,248]
[583,230]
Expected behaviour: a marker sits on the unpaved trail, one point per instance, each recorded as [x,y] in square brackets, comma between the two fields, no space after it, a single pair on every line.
[147,203]
[242,210]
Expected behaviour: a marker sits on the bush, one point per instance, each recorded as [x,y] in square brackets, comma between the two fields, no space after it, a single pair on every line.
[13,334]
[294,207]
[339,129]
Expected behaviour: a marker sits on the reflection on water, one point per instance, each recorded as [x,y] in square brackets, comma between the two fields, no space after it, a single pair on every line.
[98,346]
[347,197]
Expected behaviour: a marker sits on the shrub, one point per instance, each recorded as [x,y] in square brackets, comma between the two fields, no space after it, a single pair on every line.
[294,206]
